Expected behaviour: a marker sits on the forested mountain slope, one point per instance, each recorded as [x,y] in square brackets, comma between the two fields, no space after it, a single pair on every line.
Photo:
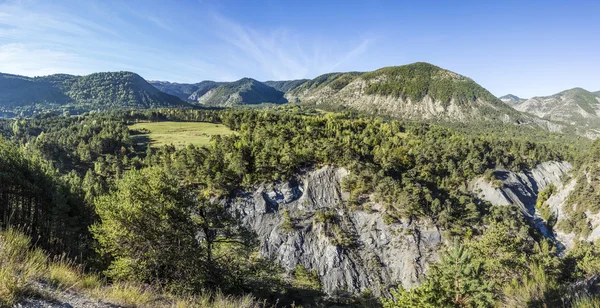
[414,91]
[286,85]
[80,93]
[245,91]
[185,91]
[18,91]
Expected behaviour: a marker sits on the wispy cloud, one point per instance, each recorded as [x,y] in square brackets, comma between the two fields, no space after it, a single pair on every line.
[35,61]
[282,54]
[38,38]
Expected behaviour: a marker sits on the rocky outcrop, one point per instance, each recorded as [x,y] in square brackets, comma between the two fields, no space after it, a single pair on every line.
[378,255]
[522,188]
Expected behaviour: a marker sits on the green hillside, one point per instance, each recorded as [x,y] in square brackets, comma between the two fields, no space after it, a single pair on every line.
[181,90]
[202,88]
[25,95]
[18,91]
[185,91]
[118,90]
[417,80]
[417,91]
[286,85]
[245,91]
[587,100]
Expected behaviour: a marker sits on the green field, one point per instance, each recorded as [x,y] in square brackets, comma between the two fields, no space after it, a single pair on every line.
[179,134]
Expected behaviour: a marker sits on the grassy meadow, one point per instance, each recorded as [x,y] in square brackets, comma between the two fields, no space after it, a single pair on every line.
[180,134]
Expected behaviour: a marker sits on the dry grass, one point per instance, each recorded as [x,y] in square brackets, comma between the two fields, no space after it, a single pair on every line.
[65,274]
[126,294]
[21,266]
[180,134]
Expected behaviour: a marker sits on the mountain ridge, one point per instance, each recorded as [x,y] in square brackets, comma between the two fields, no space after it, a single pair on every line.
[415,91]
[512,99]
[246,91]
[576,106]
[104,90]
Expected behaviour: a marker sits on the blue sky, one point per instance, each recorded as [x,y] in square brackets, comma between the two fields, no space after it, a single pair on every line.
[526,48]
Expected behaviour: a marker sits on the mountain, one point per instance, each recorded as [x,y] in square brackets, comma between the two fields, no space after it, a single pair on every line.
[575,106]
[241,92]
[117,90]
[181,90]
[286,85]
[19,90]
[415,91]
[245,91]
[203,87]
[511,99]
[185,91]
[20,94]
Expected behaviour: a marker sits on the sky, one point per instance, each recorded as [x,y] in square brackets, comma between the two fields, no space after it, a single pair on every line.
[527,48]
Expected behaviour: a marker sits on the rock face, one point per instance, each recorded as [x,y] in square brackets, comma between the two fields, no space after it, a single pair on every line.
[522,188]
[556,203]
[379,255]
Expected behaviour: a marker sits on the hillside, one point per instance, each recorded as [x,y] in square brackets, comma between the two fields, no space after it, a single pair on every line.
[117,90]
[296,206]
[185,91]
[245,91]
[414,91]
[19,90]
[203,87]
[285,85]
[80,93]
[575,106]
[181,90]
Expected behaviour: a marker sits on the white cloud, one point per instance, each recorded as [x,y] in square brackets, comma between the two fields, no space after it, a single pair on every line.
[280,54]
[39,38]
[30,60]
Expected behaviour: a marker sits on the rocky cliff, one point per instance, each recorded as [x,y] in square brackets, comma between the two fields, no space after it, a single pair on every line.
[374,255]
[522,188]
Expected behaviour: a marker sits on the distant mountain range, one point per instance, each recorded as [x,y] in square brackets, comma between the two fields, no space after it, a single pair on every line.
[415,91]
[575,106]
[19,94]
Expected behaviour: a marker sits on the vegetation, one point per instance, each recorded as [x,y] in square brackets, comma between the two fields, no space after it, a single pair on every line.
[415,81]
[142,216]
[505,266]
[543,207]
[76,94]
[245,91]
[585,197]
[287,85]
[179,134]
[21,266]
